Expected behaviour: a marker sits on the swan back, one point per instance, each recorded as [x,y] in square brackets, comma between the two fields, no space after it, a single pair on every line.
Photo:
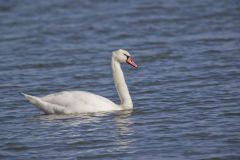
[81,101]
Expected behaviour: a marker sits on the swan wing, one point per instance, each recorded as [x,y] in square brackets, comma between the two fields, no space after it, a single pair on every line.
[80,101]
[48,108]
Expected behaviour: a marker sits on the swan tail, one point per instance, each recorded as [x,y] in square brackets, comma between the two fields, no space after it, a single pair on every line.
[46,107]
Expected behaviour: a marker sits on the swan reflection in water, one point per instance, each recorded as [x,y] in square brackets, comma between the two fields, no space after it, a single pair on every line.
[109,128]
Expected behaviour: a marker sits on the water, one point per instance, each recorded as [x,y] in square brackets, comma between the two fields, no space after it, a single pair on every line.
[186,91]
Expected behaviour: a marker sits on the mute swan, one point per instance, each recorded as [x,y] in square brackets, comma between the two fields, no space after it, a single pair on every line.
[68,102]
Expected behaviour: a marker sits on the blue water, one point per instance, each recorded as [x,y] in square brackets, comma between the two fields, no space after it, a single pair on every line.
[186,92]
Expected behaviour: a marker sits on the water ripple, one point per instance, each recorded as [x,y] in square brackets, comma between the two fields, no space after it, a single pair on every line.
[185,92]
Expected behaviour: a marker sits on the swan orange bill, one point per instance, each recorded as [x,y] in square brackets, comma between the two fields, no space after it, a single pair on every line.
[131,62]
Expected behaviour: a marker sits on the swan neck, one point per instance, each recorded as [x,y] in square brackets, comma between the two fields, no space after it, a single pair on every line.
[121,86]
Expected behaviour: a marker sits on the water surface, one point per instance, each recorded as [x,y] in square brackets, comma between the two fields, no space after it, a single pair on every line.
[186,91]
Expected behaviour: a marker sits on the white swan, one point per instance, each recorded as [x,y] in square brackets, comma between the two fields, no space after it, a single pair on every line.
[68,102]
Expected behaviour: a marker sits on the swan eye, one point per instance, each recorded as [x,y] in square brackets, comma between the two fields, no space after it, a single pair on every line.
[127,56]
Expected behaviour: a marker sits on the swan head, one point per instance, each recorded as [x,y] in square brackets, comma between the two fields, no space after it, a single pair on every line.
[123,56]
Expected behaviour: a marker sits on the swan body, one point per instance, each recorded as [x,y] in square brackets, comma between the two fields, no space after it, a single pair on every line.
[68,102]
